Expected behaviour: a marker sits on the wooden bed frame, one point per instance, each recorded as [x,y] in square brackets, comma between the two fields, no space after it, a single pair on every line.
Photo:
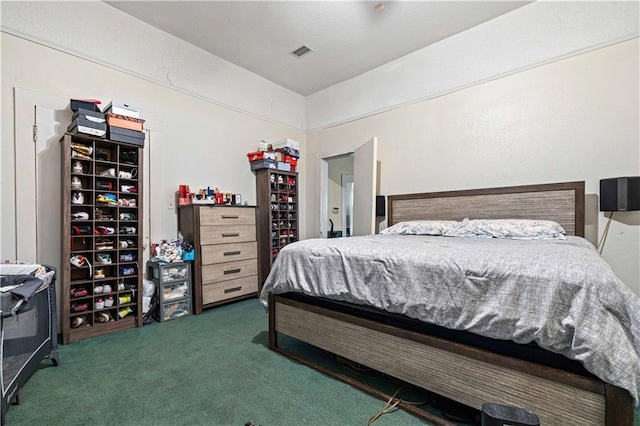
[460,372]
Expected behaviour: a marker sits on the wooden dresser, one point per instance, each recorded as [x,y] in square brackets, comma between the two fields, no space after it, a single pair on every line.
[225,268]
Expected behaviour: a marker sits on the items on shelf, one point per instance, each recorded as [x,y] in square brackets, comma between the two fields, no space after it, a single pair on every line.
[119,122]
[101,236]
[282,155]
[172,289]
[207,196]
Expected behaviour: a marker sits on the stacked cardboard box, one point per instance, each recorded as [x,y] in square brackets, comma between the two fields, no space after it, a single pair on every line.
[124,124]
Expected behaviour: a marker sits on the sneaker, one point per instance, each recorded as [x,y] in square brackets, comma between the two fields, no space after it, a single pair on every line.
[104,244]
[125,271]
[80,216]
[108,302]
[127,230]
[128,189]
[108,172]
[127,216]
[104,230]
[107,288]
[77,198]
[104,185]
[80,261]
[99,273]
[79,307]
[80,155]
[103,317]
[99,303]
[79,320]
[98,289]
[79,292]
[76,183]
[127,257]
[77,168]
[106,199]
[127,202]
[103,259]
[84,149]
[102,215]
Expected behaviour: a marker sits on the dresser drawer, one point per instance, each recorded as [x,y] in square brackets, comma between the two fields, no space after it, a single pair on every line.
[228,252]
[229,271]
[228,289]
[219,234]
[227,216]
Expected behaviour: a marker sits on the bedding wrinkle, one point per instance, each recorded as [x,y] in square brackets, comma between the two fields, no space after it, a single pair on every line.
[558,293]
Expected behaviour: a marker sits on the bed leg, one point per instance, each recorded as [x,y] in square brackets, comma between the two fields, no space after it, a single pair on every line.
[619,406]
[273,335]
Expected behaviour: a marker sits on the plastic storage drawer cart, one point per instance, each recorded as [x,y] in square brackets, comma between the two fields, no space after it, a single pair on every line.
[173,288]
[28,322]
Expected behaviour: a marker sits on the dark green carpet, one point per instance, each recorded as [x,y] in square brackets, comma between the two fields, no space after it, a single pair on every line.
[212,369]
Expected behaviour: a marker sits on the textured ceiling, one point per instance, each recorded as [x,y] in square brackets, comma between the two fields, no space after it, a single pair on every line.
[348,37]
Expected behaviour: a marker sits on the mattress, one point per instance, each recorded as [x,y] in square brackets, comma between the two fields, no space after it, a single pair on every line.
[559,294]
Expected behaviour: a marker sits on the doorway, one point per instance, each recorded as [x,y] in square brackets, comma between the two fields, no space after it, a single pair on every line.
[340,196]
[362,167]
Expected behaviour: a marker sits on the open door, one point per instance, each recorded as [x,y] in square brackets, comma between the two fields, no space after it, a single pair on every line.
[365,159]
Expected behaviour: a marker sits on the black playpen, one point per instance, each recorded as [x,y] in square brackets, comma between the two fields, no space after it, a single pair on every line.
[28,325]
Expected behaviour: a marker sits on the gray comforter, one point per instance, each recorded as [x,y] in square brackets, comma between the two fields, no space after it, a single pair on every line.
[557,293]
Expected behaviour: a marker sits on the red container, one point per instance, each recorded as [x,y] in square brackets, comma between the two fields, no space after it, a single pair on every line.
[257,155]
[291,160]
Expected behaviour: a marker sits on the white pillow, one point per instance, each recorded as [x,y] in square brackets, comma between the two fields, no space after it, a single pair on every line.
[422,227]
[517,229]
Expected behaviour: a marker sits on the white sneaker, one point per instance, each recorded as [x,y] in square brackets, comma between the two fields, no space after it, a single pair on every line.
[75,183]
[77,167]
[103,259]
[77,198]
[80,261]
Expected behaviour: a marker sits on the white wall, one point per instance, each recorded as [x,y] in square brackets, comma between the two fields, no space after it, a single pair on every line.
[532,35]
[575,119]
[200,143]
[98,32]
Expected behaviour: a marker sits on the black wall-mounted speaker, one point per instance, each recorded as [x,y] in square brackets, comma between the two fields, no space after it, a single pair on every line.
[381,208]
[620,194]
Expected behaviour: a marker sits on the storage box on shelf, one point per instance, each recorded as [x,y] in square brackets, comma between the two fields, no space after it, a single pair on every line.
[277,194]
[173,288]
[225,267]
[102,237]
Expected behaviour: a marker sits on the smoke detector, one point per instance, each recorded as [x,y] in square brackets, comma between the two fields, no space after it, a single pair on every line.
[301,51]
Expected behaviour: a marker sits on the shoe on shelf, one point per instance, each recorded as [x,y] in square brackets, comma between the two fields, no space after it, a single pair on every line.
[77,198]
[80,261]
[104,230]
[99,303]
[76,183]
[79,292]
[86,150]
[108,172]
[103,259]
[106,199]
[77,168]
[108,302]
[104,244]
[79,307]
[80,155]
[98,289]
[127,257]
[80,216]
[107,288]
[102,215]
[79,320]
[126,271]
[103,317]
[99,274]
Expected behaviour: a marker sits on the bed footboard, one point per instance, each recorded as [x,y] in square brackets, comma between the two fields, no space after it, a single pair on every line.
[465,374]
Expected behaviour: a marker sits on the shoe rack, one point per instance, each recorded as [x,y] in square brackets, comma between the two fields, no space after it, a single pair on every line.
[102,237]
[277,220]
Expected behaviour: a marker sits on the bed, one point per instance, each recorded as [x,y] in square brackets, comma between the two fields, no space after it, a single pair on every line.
[459,365]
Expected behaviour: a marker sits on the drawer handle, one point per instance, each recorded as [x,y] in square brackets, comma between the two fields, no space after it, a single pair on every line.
[230,234]
[229,216]
[232,253]
[232,289]
[232,271]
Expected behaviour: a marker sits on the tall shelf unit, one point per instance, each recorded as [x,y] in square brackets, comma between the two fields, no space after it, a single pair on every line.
[277,223]
[100,289]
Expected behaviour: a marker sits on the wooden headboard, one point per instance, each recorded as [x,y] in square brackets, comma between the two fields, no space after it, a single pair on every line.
[560,202]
